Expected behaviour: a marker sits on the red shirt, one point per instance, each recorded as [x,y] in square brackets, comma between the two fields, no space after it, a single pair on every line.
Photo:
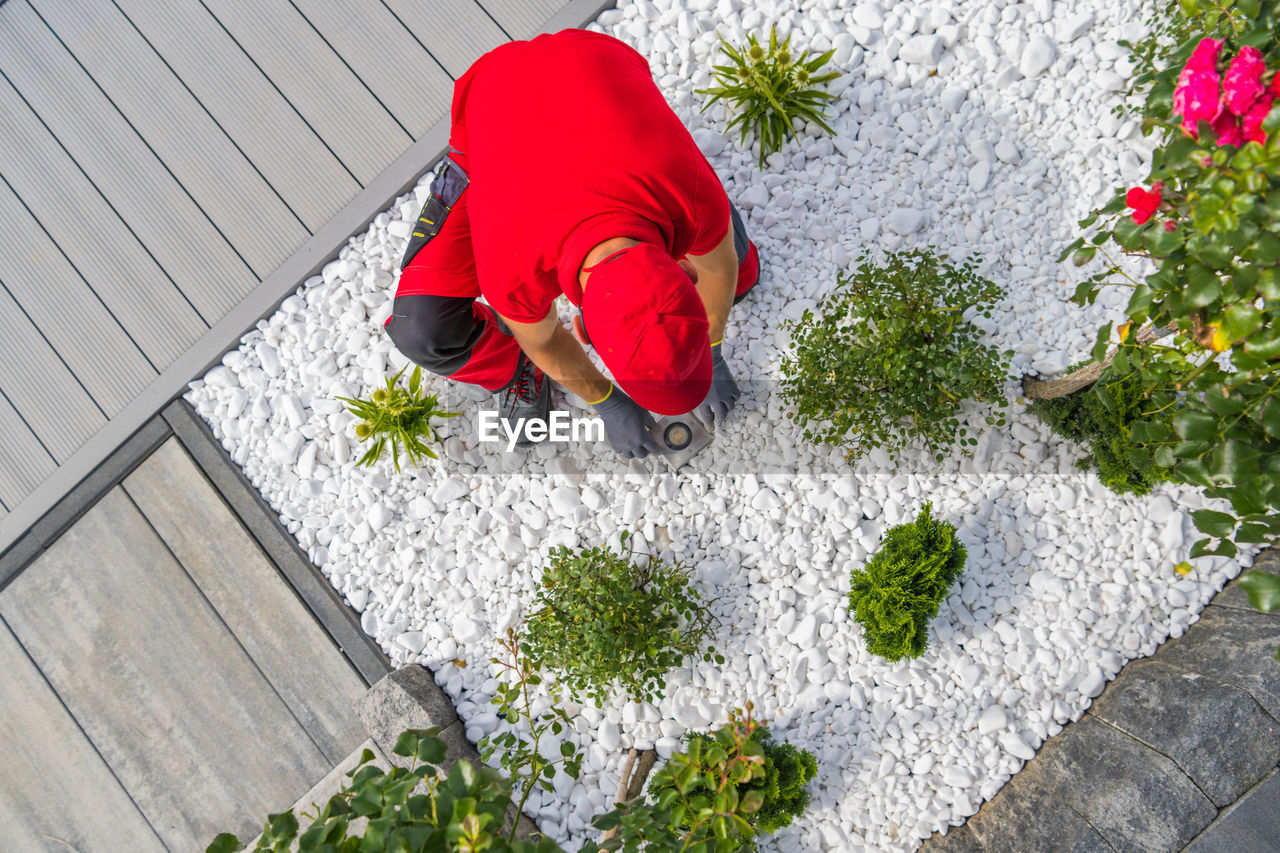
[568,142]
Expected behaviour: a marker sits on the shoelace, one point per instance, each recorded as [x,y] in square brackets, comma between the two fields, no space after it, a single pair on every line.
[527,384]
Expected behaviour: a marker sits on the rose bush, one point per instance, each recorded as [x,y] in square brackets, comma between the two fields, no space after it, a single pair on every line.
[1208,222]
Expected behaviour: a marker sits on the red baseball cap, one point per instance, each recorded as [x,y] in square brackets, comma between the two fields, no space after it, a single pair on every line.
[645,318]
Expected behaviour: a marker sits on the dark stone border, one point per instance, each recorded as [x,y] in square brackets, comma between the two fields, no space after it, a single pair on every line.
[1178,753]
[339,621]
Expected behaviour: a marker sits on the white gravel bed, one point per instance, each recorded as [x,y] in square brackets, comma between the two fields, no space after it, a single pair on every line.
[998,153]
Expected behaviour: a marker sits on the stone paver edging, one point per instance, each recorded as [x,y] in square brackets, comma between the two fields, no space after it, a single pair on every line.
[1169,757]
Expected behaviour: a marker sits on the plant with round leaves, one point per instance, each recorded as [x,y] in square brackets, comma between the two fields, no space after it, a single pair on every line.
[890,356]
[399,418]
[900,589]
[771,90]
[418,809]
[603,620]
[1209,224]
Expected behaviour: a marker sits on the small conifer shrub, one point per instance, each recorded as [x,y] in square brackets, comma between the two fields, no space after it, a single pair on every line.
[899,591]
[782,788]
[1102,418]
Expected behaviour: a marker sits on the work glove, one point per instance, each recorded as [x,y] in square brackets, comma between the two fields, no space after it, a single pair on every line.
[625,424]
[723,393]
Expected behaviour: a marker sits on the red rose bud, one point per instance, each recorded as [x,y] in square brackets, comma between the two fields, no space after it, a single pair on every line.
[1144,203]
[1170,226]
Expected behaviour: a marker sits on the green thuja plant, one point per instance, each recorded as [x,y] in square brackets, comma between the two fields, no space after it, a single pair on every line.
[771,89]
[603,621]
[782,786]
[419,808]
[1101,417]
[899,591]
[397,417]
[890,356]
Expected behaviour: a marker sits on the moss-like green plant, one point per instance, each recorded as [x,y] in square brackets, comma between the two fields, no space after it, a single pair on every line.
[782,787]
[601,619]
[899,591]
[1101,417]
[771,90]
[398,417]
[890,356]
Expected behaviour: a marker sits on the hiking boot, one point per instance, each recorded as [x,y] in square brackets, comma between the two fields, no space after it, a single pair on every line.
[526,396]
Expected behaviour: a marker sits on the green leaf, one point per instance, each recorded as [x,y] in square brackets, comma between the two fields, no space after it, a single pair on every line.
[432,750]
[1214,523]
[1241,320]
[1270,417]
[1193,425]
[224,843]
[1262,589]
[1203,287]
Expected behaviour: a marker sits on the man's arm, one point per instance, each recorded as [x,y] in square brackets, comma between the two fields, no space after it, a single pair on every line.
[553,349]
[716,278]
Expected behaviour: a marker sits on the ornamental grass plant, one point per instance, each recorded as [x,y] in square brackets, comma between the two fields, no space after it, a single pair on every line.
[907,578]
[603,623]
[771,90]
[890,356]
[397,417]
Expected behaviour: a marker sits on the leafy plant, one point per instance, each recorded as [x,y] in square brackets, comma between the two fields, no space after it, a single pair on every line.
[891,356]
[1102,417]
[1209,222]
[899,591]
[601,618]
[771,89]
[413,810]
[399,417]
[703,799]
[522,759]
[787,771]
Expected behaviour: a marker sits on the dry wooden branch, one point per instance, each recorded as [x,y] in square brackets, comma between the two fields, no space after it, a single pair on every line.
[635,772]
[1047,389]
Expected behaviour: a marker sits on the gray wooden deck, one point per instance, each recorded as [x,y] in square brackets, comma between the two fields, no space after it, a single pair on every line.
[171,169]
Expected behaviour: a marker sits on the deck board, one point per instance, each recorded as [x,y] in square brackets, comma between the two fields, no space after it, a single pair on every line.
[292,156]
[242,206]
[174,231]
[23,462]
[329,96]
[40,386]
[457,31]
[117,267]
[522,19]
[396,68]
[55,297]
[172,702]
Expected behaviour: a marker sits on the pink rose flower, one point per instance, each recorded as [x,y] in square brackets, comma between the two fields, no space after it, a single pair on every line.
[1227,128]
[1144,203]
[1197,99]
[1242,84]
[1252,120]
[1205,56]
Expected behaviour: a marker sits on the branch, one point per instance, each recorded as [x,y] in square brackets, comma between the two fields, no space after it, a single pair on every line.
[631,785]
[1041,389]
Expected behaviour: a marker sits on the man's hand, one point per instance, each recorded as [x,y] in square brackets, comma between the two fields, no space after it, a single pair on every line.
[625,424]
[723,393]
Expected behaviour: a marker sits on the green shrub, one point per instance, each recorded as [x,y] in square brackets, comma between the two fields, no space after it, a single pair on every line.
[397,417]
[416,809]
[771,90]
[1101,418]
[601,619]
[899,591]
[782,786]
[891,356]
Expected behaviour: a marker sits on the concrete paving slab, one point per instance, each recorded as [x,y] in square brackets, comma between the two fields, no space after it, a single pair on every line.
[1216,733]
[47,764]
[1235,646]
[1030,817]
[303,665]
[1251,827]
[177,710]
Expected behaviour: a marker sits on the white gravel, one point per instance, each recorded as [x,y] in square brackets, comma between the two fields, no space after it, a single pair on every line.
[975,127]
